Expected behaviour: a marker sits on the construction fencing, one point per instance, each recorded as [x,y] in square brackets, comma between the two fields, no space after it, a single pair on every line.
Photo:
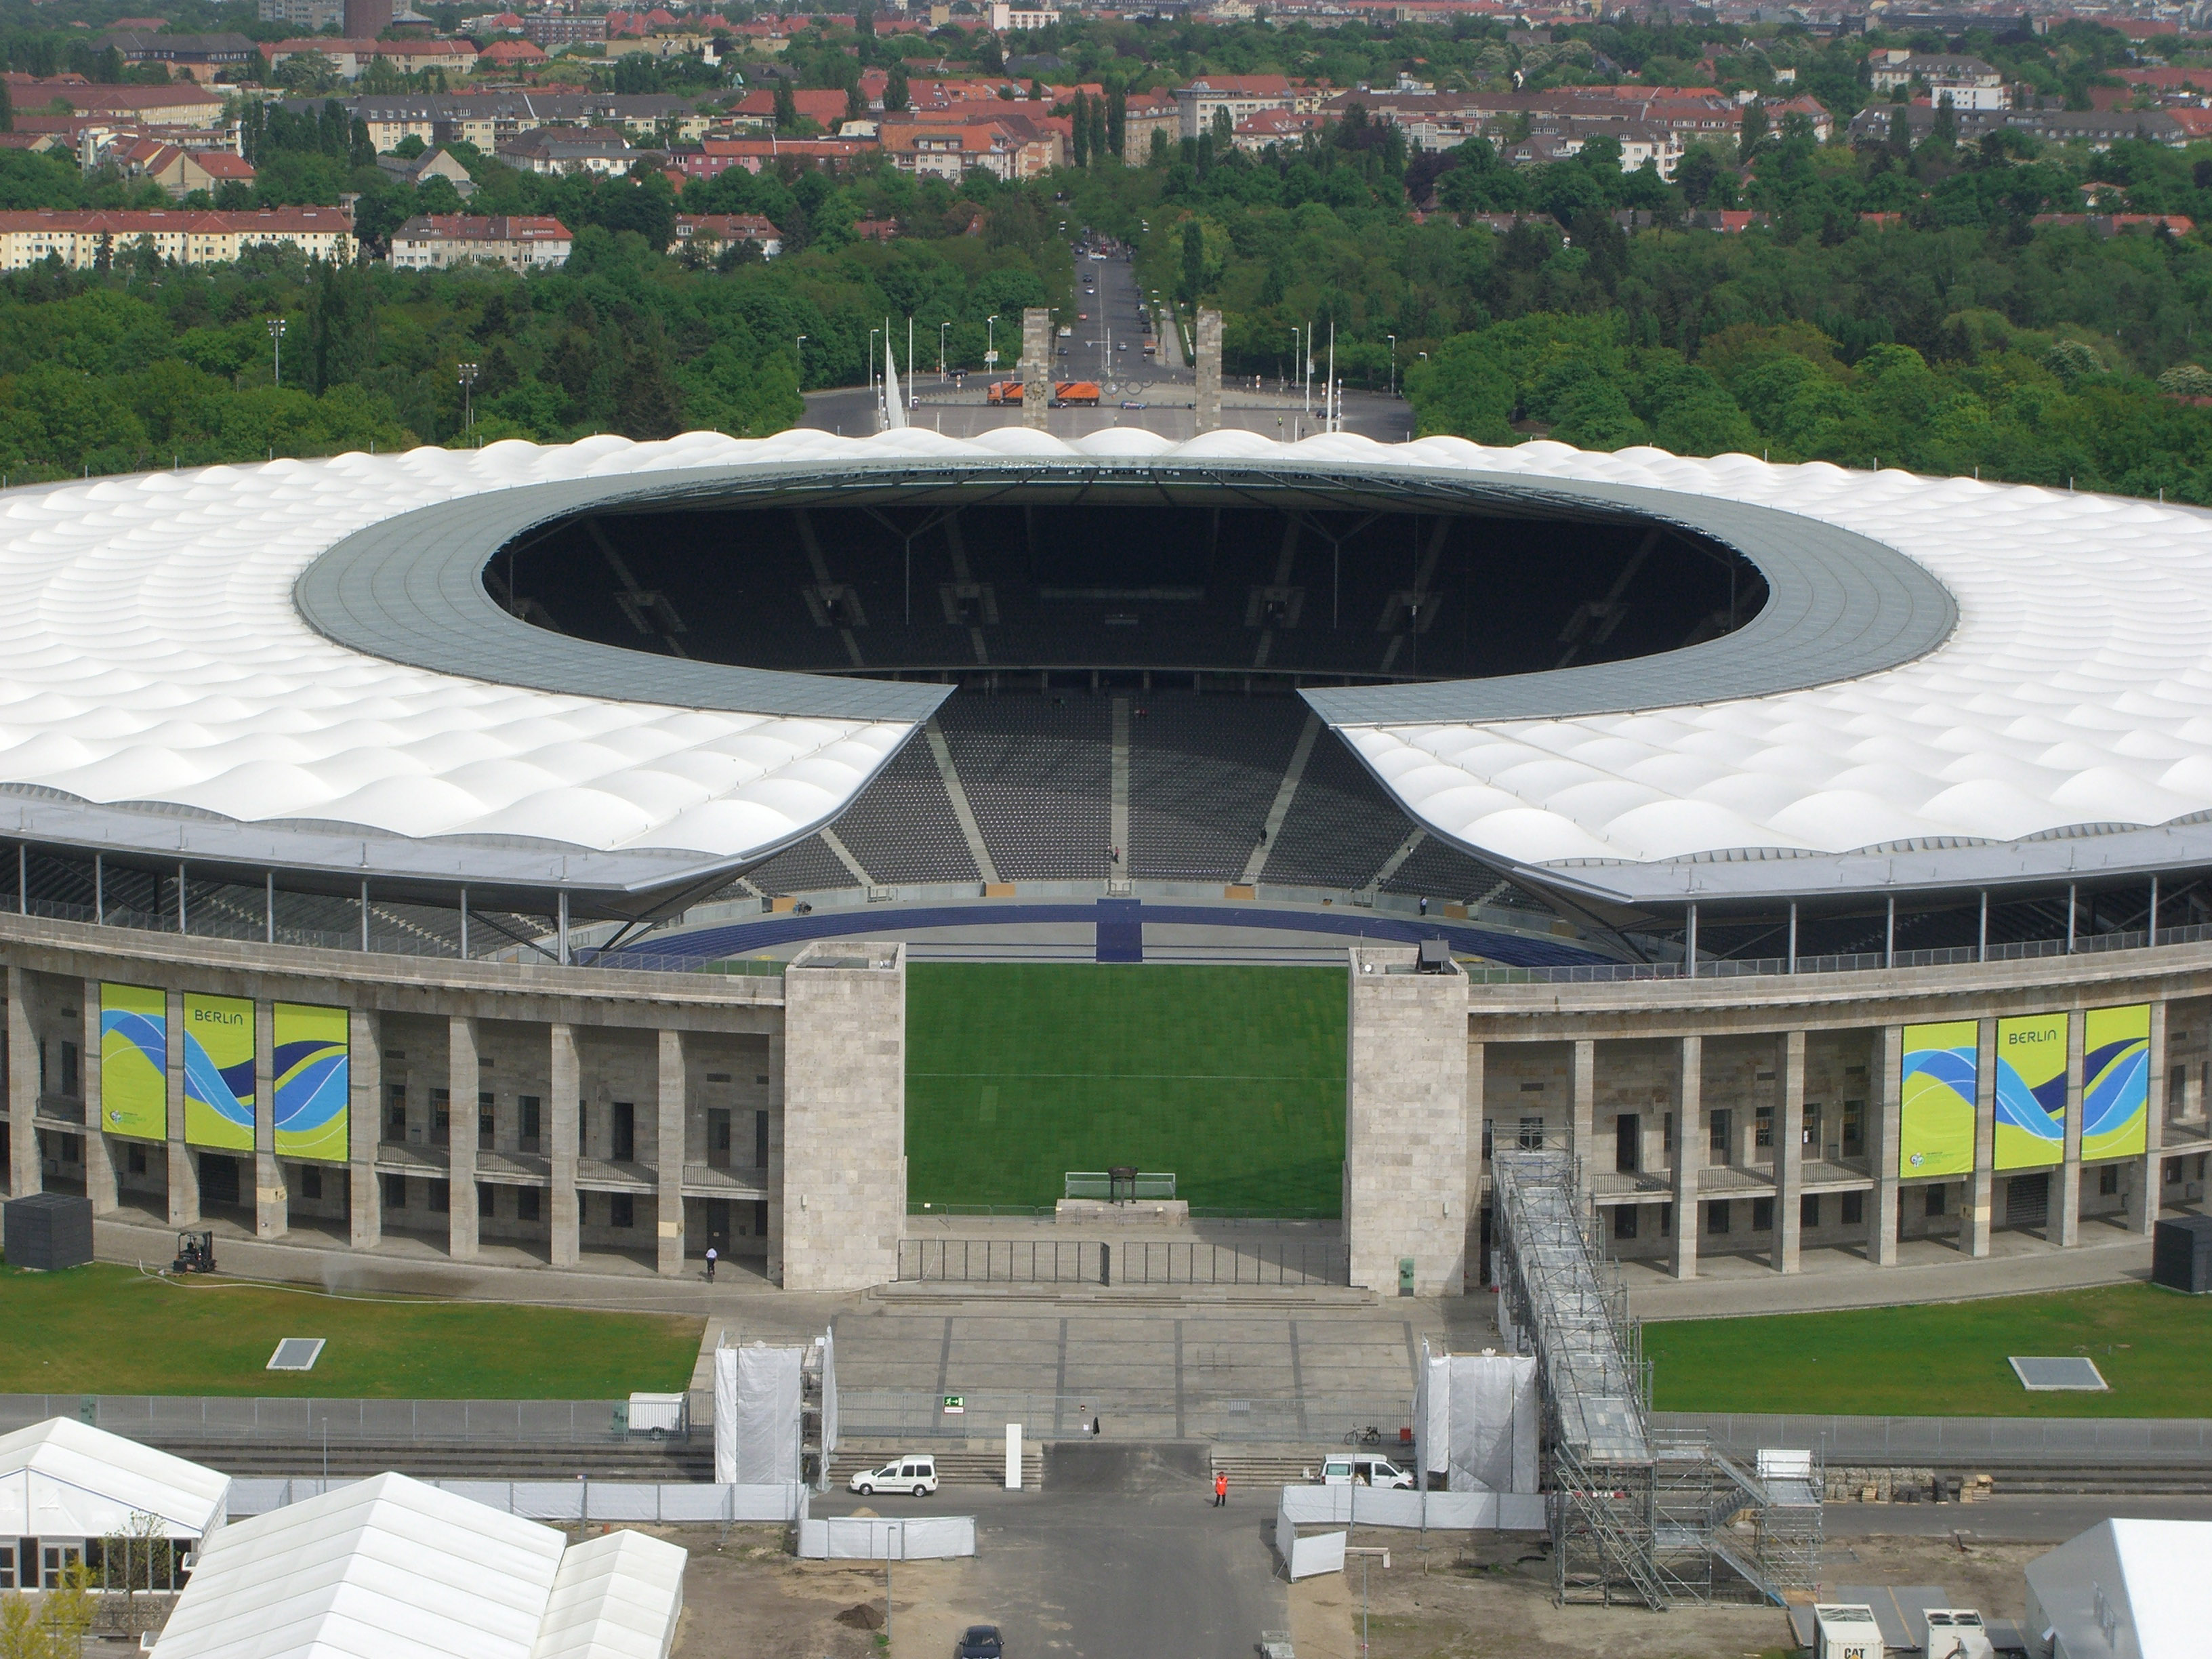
[1091,1261]
[200,1417]
[862,1538]
[573,1502]
[1932,1439]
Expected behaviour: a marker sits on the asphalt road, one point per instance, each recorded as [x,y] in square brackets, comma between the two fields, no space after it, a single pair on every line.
[2006,1520]
[1121,1556]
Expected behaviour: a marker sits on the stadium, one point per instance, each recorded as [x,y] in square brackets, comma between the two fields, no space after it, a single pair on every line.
[783,839]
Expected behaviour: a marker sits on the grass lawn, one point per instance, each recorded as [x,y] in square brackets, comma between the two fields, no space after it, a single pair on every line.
[1943,1359]
[103,1329]
[1232,1077]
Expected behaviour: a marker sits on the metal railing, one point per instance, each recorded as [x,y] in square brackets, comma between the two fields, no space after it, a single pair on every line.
[1280,1262]
[1099,1184]
[1000,1261]
[202,1417]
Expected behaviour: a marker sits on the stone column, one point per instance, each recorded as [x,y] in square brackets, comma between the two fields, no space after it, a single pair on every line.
[564,1083]
[1789,1153]
[464,1082]
[25,1175]
[1979,1211]
[1471,1129]
[844,1116]
[1582,1110]
[772,1176]
[1405,1123]
[1036,366]
[98,1154]
[2148,1173]
[668,1153]
[1689,1153]
[2063,1227]
[272,1200]
[1883,1131]
[1207,407]
[364,1129]
[184,1174]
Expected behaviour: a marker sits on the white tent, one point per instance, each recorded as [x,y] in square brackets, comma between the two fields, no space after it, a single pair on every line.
[61,1479]
[2123,1590]
[391,1568]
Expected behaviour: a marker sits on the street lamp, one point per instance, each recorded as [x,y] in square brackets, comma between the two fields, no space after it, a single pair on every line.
[871,378]
[276,346]
[990,344]
[1394,364]
[799,352]
[468,396]
[941,327]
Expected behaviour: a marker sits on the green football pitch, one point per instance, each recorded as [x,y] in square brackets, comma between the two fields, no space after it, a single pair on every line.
[1231,1076]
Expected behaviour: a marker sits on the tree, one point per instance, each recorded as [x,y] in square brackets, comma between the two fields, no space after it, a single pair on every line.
[1946,130]
[55,1627]
[1117,116]
[1224,128]
[307,71]
[786,107]
[894,88]
[1753,133]
[7,110]
[1194,258]
[1079,130]
[856,103]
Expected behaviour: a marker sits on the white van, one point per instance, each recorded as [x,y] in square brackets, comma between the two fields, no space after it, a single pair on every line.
[1364,1469]
[915,1475]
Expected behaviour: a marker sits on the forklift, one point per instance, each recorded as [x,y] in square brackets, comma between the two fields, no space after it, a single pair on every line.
[195,1254]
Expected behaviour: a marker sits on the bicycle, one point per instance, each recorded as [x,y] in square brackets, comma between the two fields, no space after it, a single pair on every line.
[1370,1436]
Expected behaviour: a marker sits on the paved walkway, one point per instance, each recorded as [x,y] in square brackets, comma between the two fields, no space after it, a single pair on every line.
[1927,1271]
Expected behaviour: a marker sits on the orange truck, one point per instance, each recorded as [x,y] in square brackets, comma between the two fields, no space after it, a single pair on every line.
[1003,392]
[1082,393]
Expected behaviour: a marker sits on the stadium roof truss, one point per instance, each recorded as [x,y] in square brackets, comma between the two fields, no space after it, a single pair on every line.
[301,667]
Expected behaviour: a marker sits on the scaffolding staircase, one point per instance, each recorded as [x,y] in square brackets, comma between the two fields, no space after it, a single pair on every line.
[1636,1517]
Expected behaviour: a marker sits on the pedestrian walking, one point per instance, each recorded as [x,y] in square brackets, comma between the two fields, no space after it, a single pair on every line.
[712,1257]
[1221,1489]
[1094,1428]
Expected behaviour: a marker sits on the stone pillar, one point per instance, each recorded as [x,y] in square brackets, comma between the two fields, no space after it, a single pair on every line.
[464,1082]
[184,1174]
[98,1155]
[1884,1130]
[1471,1129]
[1208,405]
[2063,1226]
[1979,1211]
[1789,1153]
[668,1153]
[364,1129]
[25,1175]
[1405,1123]
[1036,366]
[272,1200]
[563,1095]
[1689,1153]
[772,1176]
[844,1115]
[2147,1175]
[1582,1111]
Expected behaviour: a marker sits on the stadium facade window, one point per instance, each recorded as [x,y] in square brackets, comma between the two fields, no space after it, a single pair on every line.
[441,1117]
[487,1200]
[622,1210]
[1666,1220]
[2108,1180]
[1720,1131]
[527,1109]
[1667,1135]
[622,1148]
[442,1197]
[583,1129]
[1717,1216]
[311,1182]
[1762,1126]
[760,1139]
[760,1217]
[1808,1210]
[717,1137]
[1809,1134]
[485,1103]
[1532,1134]
[138,1160]
[1854,1208]
[395,1113]
[525,1203]
[1627,1142]
[1936,1200]
[1623,1221]
[1854,1135]
[69,1068]
[1762,1215]
[395,1192]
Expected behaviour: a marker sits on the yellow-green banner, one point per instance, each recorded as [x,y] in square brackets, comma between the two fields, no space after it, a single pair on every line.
[2116,1082]
[134,1061]
[2031,1129]
[311,1081]
[219,1072]
[1935,1127]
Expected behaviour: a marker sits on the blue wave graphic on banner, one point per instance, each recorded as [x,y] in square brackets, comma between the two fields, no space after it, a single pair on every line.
[311,1084]
[2118,1078]
[1952,1068]
[145,1035]
[217,1090]
[2039,1112]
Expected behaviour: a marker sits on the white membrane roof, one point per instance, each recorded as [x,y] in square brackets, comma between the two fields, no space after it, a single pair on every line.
[63,1479]
[160,687]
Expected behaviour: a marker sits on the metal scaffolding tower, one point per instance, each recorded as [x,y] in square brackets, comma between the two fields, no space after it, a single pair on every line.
[1636,1515]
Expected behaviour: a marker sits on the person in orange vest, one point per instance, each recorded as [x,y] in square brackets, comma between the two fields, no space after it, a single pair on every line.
[1221,1489]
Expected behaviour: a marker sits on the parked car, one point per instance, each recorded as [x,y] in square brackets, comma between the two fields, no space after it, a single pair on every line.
[915,1475]
[1359,1468]
[981,1642]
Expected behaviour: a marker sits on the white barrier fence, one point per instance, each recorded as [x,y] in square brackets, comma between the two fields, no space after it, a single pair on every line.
[1363,1506]
[572,1501]
[861,1538]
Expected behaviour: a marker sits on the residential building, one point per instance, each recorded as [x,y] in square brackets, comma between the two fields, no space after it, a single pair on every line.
[350,56]
[566,149]
[1242,95]
[430,164]
[1256,132]
[431,241]
[511,54]
[366,19]
[178,170]
[309,14]
[83,238]
[200,56]
[1971,83]
[711,156]
[1010,146]
[716,231]
[554,28]
[1143,114]
[1007,18]
[183,103]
